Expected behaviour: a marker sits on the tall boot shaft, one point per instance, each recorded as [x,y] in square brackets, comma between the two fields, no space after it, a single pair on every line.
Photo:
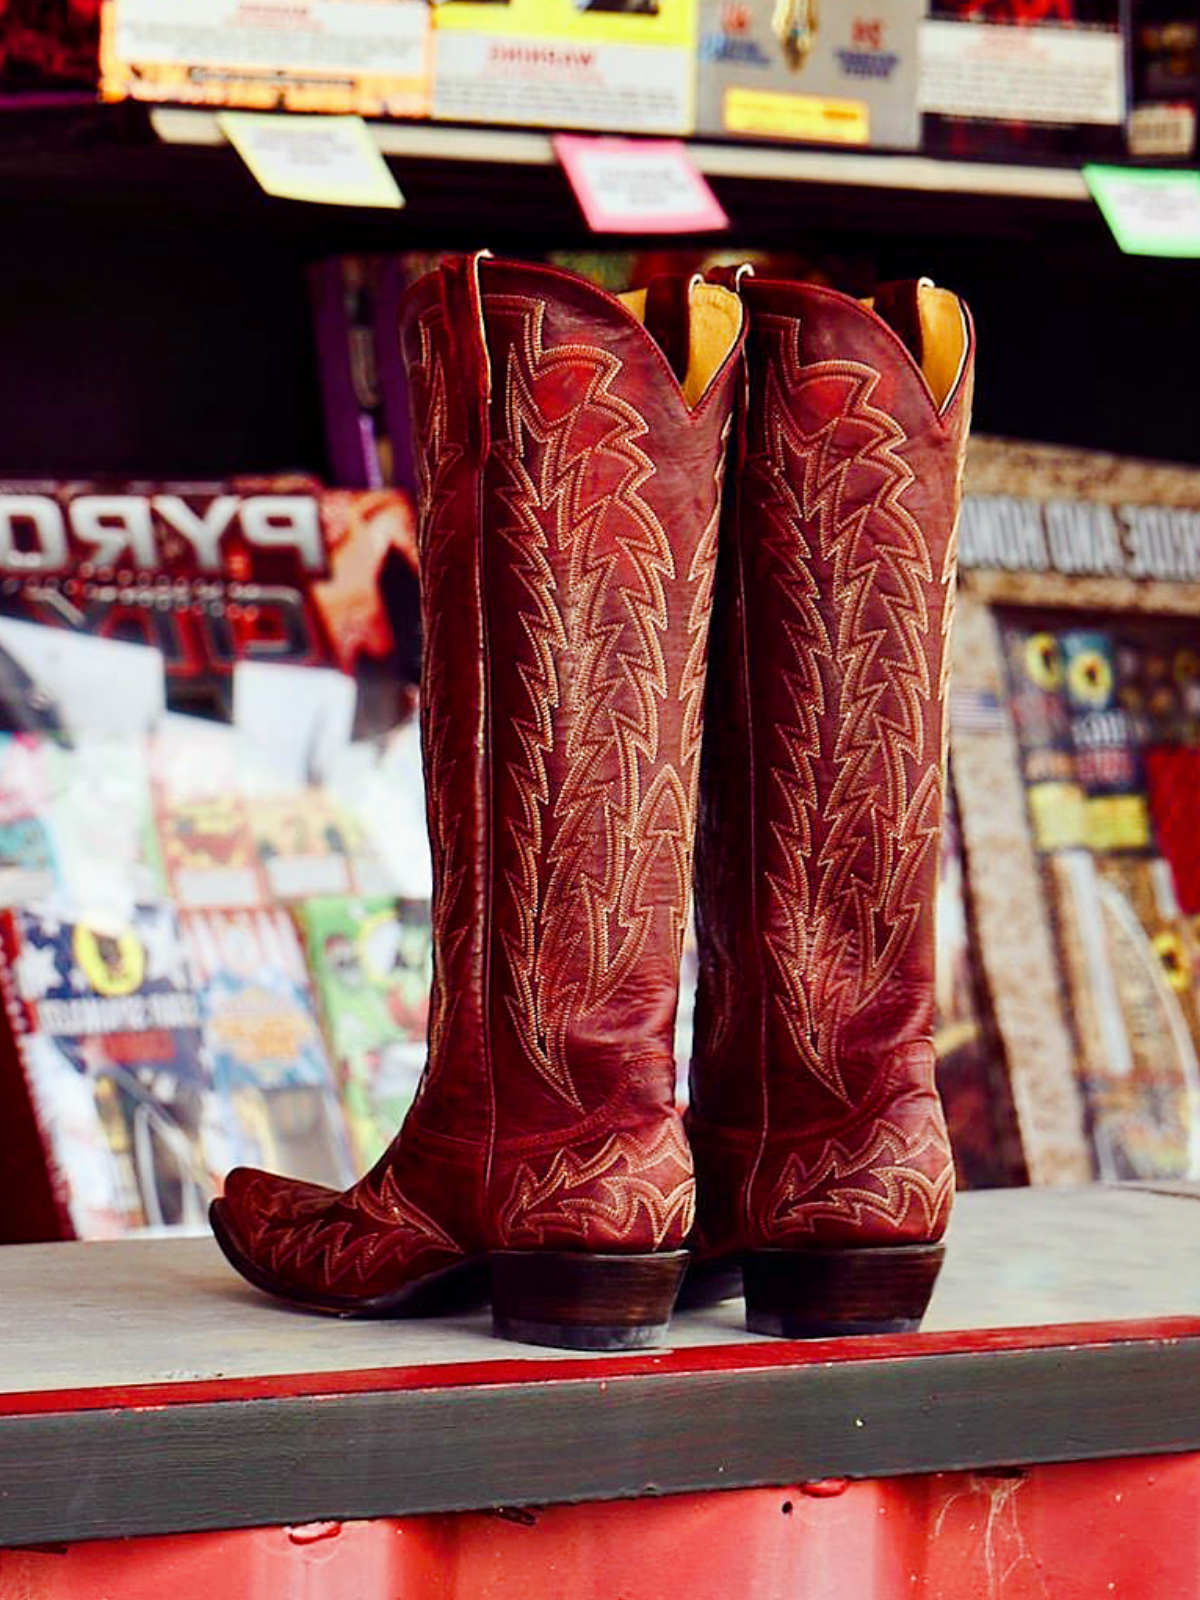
[570,490]
[814,1115]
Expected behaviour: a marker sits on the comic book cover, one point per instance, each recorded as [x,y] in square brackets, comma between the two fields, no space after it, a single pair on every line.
[372,964]
[203,826]
[243,641]
[301,842]
[109,1034]
[1164,79]
[102,822]
[1042,720]
[380,798]
[276,1100]
[28,864]
[1103,736]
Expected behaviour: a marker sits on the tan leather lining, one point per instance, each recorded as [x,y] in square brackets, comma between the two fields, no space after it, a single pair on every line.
[944,337]
[714,323]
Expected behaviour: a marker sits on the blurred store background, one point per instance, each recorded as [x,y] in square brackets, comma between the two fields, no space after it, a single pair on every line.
[214,941]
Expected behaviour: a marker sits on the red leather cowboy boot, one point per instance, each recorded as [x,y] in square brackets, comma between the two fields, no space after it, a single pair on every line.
[570,484]
[822,1161]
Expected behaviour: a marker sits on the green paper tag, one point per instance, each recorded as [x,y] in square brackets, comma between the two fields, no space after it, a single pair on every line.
[1151,212]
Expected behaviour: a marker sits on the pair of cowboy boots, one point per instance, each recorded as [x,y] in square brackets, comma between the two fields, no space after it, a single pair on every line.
[581,732]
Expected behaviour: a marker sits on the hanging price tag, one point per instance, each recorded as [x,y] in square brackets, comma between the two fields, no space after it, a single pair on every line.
[1151,212]
[638,186]
[331,161]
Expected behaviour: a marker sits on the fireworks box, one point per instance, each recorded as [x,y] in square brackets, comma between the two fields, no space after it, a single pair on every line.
[207,718]
[819,74]
[1075,733]
[1023,78]
[369,57]
[624,66]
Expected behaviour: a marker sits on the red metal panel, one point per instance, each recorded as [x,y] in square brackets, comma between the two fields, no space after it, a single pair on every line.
[1080,1532]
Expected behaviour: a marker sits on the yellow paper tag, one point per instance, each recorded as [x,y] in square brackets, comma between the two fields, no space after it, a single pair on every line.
[330,161]
[797,116]
[1059,817]
[1117,822]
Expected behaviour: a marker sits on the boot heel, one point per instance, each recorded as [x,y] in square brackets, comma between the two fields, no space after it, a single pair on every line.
[584,1302]
[816,1294]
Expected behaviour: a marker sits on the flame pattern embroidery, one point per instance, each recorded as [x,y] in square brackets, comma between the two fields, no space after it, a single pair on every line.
[605,821]
[841,922]
[882,1179]
[627,1187]
[372,1234]
[438,463]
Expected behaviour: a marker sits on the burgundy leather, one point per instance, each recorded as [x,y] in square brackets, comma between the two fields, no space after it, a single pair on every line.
[569,501]
[814,1118]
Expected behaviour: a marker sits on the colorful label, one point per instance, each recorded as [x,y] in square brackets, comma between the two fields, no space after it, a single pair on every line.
[372,964]
[1038,702]
[302,844]
[1044,74]
[368,57]
[807,71]
[621,69]
[270,1070]
[204,829]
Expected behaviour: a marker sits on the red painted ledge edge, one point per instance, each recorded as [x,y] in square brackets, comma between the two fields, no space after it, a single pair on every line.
[760,1356]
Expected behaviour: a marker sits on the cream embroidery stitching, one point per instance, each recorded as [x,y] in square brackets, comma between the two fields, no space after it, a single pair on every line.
[296,1228]
[880,1179]
[437,461]
[605,836]
[606,1195]
[849,915]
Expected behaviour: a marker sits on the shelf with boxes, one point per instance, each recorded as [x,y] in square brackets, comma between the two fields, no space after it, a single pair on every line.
[1062,78]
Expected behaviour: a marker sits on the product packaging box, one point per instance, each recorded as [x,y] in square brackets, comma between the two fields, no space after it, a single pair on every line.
[622,66]
[807,71]
[369,57]
[1032,79]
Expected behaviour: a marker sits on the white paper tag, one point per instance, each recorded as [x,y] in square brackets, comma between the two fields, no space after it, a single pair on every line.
[329,161]
[1024,74]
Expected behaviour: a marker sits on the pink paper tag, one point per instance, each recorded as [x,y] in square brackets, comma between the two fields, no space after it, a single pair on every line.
[638,186]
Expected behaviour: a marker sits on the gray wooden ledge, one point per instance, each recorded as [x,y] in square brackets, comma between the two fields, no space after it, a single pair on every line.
[144,1390]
